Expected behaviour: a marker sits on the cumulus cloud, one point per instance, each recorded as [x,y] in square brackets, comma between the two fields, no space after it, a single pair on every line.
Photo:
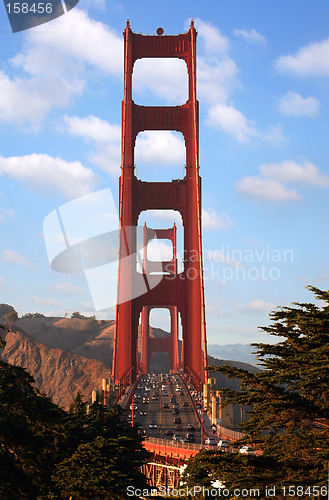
[212,220]
[89,45]
[270,185]
[51,66]
[162,218]
[311,60]
[231,121]
[14,257]
[160,148]
[166,78]
[105,137]
[213,41]
[291,172]
[44,174]
[258,187]
[296,105]
[250,35]
[29,100]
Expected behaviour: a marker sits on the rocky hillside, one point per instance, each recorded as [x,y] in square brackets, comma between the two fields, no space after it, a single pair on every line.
[57,373]
[64,356]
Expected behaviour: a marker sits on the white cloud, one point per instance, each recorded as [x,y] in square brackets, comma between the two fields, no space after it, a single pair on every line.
[259,306]
[40,301]
[163,77]
[211,220]
[29,100]
[258,187]
[160,148]
[52,66]
[217,78]
[93,43]
[231,121]
[162,218]
[291,172]
[93,128]
[250,35]
[14,257]
[214,42]
[105,137]
[294,104]
[311,60]
[44,174]
[274,175]
[273,135]
[159,250]
[66,287]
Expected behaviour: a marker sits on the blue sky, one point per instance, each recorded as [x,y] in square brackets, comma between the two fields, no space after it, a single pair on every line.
[263,81]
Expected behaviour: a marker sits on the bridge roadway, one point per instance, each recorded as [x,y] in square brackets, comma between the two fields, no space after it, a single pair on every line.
[151,394]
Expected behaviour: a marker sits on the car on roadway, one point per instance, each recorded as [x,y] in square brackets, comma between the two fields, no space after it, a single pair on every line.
[178,427]
[191,427]
[177,437]
[223,444]
[133,407]
[211,442]
[247,450]
[169,432]
[153,424]
[146,400]
[177,420]
[190,437]
[175,411]
[165,406]
[143,413]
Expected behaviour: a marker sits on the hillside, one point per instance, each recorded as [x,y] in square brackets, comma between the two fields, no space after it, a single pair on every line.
[57,373]
[64,357]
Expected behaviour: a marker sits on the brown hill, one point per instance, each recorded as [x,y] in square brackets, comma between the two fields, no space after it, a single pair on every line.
[64,356]
[57,373]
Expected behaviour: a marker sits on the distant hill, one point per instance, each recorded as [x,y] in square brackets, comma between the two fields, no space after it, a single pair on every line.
[238,352]
[64,357]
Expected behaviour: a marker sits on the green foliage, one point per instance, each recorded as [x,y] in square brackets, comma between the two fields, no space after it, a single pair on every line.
[46,452]
[78,315]
[289,399]
[31,435]
[33,315]
[100,469]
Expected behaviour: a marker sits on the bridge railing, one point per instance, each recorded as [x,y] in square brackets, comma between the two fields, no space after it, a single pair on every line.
[174,444]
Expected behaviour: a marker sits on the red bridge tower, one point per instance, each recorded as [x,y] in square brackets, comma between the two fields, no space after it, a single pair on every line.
[183,292]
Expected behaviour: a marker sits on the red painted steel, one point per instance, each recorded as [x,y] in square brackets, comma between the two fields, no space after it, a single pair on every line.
[186,290]
[169,344]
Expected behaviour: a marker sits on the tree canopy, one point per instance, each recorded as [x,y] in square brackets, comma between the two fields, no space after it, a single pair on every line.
[289,406]
[48,453]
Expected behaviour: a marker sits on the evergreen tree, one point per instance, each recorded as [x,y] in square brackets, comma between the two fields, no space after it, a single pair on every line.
[289,401]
